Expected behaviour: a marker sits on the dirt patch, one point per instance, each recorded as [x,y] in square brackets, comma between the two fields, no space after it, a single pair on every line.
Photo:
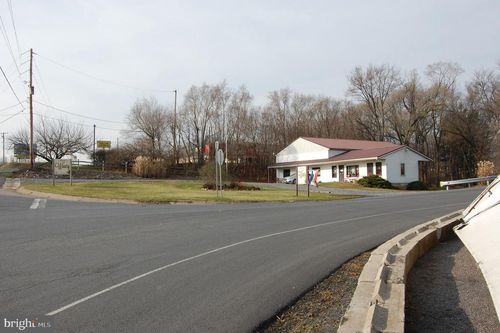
[322,308]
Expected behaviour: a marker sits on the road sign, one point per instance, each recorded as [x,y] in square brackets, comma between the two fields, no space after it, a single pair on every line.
[219,157]
[103,144]
[22,150]
[62,167]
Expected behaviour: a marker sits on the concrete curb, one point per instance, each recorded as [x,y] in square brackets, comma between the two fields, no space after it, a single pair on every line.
[378,303]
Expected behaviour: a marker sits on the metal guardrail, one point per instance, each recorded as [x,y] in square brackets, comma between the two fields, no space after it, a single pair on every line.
[469,181]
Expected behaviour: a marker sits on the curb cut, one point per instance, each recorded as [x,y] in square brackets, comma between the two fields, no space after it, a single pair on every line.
[378,303]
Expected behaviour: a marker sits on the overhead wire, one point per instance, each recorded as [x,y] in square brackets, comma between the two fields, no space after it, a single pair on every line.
[12,116]
[7,42]
[85,125]
[100,79]
[12,89]
[79,115]
[42,84]
[9,3]
[9,107]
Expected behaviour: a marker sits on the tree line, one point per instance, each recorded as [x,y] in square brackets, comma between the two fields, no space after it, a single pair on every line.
[456,124]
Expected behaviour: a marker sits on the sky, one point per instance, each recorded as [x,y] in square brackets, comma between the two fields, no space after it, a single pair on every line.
[159,46]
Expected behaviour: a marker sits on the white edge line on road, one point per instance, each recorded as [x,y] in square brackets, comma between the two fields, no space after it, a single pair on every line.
[43,203]
[35,204]
[52,313]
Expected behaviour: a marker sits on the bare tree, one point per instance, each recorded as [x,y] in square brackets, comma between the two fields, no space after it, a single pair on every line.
[444,97]
[200,106]
[409,107]
[373,87]
[149,119]
[55,138]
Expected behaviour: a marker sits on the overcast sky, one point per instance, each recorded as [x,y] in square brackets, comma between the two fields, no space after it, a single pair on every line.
[307,46]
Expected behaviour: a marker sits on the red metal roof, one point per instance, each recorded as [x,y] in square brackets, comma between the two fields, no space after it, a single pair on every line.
[364,153]
[349,155]
[350,144]
[354,150]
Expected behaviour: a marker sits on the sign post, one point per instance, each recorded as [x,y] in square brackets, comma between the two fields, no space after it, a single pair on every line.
[219,158]
[216,169]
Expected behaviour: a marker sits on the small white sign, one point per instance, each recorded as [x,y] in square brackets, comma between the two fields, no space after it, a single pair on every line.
[219,157]
[62,167]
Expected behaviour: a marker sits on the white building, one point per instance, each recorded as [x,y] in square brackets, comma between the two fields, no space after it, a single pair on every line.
[347,160]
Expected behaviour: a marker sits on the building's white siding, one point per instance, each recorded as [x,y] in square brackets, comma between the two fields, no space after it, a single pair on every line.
[302,150]
[393,166]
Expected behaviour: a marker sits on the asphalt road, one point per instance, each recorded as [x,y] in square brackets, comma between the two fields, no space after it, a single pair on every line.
[219,268]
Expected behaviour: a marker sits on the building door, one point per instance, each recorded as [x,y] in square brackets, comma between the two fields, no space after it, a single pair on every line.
[341,173]
[378,169]
[369,169]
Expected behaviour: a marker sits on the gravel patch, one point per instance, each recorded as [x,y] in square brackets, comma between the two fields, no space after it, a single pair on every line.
[322,308]
[446,292]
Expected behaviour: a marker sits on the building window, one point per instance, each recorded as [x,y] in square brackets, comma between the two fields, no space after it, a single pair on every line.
[369,168]
[378,168]
[402,169]
[353,171]
[286,172]
[334,171]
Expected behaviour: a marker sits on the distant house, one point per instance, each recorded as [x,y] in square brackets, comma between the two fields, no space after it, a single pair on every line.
[341,160]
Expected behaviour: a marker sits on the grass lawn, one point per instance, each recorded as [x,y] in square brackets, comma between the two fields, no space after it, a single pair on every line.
[174,191]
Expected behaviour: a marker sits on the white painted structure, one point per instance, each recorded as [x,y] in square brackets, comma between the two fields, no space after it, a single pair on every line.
[480,232]
[348,160]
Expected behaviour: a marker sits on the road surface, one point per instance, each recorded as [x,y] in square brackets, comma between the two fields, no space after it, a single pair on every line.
[99,267]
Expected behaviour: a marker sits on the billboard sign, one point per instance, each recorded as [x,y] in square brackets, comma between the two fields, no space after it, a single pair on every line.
[103,144]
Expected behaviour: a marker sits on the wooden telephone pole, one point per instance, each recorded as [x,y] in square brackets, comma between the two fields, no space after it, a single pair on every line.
[31,93]
[175,127]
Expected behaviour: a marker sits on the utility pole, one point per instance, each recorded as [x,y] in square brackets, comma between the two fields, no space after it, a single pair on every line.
[31,93]
[3,147]
[93,154]
[175,126]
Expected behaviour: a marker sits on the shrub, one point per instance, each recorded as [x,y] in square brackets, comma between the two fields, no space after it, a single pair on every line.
[149,168]
[207,172]
[374,181]
[416,186]
[232,187]
[485,168]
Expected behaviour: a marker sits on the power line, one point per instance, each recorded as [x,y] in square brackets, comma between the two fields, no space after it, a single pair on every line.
[42,84]
[6,38]
[5,76]
[12,116]
[9,2]
[79,115]
[85,125]
[100,79]
[9,107]
[7,115]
